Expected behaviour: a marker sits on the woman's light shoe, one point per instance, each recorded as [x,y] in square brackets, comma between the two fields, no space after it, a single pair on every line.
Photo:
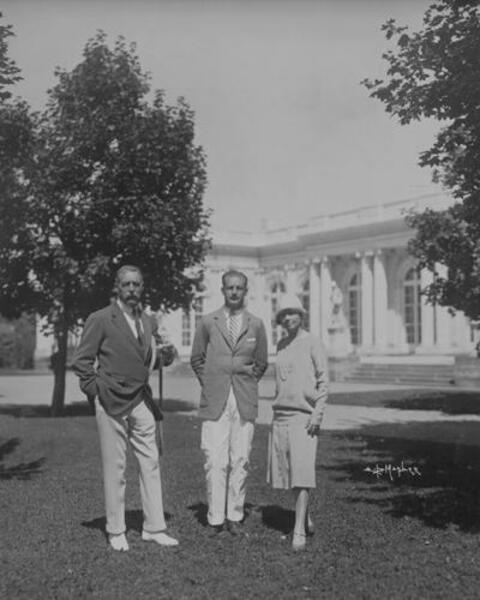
[299,542]
[118,542]
[160,537]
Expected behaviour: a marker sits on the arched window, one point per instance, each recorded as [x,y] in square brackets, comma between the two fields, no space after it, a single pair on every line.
[412,307]
[354,310]
[305,300]
[276,290]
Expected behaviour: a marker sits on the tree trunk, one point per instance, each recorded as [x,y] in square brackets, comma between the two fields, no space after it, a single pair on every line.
[59,370]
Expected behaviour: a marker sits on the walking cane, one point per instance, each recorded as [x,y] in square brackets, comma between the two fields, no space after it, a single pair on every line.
[160,402]
[160,381]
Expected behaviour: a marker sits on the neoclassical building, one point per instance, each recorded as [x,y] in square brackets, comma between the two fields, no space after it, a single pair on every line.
[359,286]
[352,273]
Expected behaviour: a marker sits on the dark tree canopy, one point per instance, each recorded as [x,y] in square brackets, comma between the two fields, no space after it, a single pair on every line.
[114,178]
[435,73]
[16,153]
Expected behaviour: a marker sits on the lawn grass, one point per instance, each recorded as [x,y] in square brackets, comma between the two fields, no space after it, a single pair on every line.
[409,537]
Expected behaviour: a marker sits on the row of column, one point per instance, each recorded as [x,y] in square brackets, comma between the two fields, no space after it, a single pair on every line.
[381,325]
[373,309]
[382,320]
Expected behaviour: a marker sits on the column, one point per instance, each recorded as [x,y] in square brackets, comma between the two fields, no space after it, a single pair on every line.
[260,298]
[428,313]
[291,279]
[315,296]
[215,298]
[367,302]
[325,291]
[380,301]
[461,332]
[443,319]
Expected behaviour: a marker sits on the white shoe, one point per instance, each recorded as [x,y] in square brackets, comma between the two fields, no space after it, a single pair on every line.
[160,537]
[118,542]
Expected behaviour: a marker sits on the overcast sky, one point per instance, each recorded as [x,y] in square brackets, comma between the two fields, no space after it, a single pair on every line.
[288,130]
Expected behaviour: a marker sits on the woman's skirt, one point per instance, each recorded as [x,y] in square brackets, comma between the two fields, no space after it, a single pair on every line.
[291,451]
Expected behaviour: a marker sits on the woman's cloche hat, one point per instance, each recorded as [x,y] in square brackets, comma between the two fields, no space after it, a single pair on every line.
[288,303]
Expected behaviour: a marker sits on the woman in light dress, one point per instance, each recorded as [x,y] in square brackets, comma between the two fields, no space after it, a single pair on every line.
[301,393]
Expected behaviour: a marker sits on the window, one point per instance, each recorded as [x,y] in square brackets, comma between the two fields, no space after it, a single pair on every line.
[190,320]
[276,290]
[186,328]
[198,310]
[354,310]
[412,307]
[305,300]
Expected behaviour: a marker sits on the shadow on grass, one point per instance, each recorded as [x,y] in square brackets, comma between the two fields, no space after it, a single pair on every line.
[450,403]
[133,521]
[278,518]
[177,405]
[200,511]
[79,409]
[440,481]
[75,409]
[453,402]
[24,470]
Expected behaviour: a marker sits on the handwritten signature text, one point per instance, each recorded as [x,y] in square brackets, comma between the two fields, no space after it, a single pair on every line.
[393,471]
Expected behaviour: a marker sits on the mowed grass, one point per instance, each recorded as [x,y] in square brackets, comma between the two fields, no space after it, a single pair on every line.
[386,536]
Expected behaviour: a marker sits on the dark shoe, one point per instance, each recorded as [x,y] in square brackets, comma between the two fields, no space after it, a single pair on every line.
[235,527]
[309,526]
[214,530]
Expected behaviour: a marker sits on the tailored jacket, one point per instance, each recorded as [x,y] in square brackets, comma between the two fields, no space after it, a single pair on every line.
[220,366]
[120,378]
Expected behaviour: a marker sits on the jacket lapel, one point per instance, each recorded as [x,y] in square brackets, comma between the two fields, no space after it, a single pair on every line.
[147,334]
[221,323]
[245,325]
[121,322]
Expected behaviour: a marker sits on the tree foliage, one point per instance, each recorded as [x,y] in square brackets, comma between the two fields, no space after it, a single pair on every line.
[9,72]
[115,178]
[16,152]
[435,73]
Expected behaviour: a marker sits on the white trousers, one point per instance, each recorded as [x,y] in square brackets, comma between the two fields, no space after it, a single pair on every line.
[139,428]
[226,443]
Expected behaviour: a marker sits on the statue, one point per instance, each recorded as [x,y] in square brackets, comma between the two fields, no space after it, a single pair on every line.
[337,318]
[338,328]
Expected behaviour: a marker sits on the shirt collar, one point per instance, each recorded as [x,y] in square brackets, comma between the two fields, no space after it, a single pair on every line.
[133,314]
[230,315]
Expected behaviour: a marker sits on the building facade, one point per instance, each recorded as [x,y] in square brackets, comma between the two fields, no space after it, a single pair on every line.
[351,270]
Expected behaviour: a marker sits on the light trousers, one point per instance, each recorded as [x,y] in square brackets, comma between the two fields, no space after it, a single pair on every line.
[139,428]
[226,444]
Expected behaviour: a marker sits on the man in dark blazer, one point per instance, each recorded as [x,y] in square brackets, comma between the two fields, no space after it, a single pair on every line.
[229,356]
[113,363]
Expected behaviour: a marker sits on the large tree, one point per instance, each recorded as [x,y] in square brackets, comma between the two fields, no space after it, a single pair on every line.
[16,146]
[435,73]
[116,179]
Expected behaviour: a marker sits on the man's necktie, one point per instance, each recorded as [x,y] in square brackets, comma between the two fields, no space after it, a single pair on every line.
[233,329]
[139,331]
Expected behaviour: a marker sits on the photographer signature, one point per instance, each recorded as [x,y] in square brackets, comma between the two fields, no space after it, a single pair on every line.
[391,470]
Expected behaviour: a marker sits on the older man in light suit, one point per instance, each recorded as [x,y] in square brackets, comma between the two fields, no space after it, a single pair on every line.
[229,356]
[119,339]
